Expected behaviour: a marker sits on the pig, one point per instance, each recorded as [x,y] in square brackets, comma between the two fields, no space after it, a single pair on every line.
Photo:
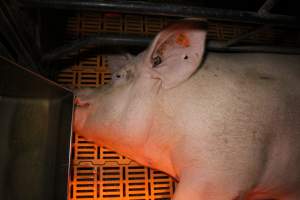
[225,125]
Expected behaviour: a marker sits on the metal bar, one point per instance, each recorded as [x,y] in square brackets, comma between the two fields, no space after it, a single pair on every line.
[117,40]
[216,47]
[15,27]
[266,7]
[104,39]
[13,38]
[164,9]
[245,35]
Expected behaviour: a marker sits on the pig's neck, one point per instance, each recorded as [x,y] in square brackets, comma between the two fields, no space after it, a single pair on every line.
[142,131]
[153,127]
[163,137]
[179,115]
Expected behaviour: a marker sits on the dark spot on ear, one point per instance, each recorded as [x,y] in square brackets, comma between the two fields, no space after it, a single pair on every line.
[156,61]
[225,140]
[185,57]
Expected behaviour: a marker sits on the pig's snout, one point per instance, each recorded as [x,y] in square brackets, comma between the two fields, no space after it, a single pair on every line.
[82,104]
[81,101]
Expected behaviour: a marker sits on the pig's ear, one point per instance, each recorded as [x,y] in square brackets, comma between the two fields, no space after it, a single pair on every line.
[177,52]
[116,62]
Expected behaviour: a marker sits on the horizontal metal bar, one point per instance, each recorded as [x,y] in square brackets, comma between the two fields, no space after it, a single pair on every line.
[103,40]
[114,40]
[219,47]
[165,9]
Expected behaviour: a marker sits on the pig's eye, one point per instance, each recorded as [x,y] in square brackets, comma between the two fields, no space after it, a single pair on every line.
[156,61]
[185,57]
[116,77]
[122,77]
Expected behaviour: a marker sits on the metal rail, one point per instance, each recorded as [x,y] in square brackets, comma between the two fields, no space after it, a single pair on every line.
[114,40]
[165,9]
[101,40]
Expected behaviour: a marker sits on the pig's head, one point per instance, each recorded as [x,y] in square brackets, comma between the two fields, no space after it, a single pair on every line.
[125,108]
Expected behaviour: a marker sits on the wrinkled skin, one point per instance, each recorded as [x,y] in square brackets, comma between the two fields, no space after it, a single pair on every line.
[228,130]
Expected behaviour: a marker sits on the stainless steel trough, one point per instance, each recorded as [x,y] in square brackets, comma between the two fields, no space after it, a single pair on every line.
[35,135]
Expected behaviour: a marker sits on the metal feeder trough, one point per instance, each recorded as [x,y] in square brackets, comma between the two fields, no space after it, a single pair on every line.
[35,135]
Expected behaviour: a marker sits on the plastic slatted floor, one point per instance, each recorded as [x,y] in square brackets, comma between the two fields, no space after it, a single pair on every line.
[99,173]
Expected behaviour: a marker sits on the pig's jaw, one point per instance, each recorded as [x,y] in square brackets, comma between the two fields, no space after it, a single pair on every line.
[148,126]
[161,142]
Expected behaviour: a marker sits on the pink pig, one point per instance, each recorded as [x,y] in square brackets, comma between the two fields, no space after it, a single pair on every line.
[225,125]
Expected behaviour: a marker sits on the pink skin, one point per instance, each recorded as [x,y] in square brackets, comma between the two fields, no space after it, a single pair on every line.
[229,130]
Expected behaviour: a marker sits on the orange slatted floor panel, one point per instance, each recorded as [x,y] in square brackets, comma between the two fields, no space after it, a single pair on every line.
[99,173]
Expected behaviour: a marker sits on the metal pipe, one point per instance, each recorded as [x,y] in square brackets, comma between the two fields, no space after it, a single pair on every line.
[165,9]
[103,40]
[245,35]
[266,7]
[118,40]
[218,47]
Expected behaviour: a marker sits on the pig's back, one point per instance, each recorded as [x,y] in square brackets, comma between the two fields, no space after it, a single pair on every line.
[244,108]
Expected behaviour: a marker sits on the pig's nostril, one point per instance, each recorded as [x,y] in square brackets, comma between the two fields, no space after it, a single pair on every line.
[76,101]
